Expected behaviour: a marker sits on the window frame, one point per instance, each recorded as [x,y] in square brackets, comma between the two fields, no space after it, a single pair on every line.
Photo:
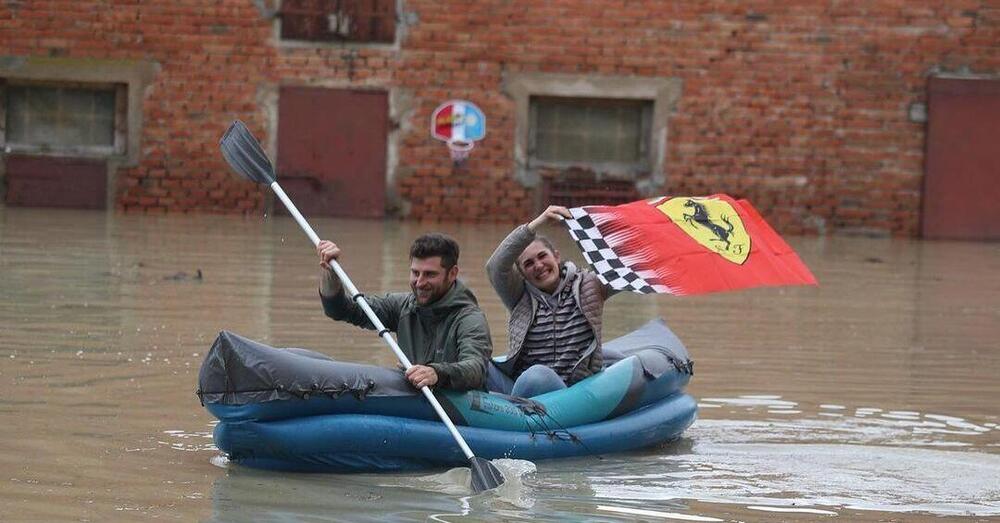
[398,27]
[614,169]
[664,93]
[119,121]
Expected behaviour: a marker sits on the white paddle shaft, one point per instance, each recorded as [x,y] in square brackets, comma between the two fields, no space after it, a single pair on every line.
[379,327]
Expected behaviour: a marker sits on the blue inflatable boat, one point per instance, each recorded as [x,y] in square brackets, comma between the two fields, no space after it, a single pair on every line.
[299,410]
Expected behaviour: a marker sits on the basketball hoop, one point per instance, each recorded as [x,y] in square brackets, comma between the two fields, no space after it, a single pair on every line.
[458,123]
[459,150]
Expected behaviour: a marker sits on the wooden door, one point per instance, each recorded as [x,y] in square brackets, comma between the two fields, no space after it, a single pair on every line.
[45,181]
[332,150]
[961,197]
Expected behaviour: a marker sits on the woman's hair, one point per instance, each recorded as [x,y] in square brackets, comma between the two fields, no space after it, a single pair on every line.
[544,241]
[436,244]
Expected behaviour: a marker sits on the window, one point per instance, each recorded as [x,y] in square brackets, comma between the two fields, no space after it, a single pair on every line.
[587,138]
[362,21]
[73,119]
[589,131]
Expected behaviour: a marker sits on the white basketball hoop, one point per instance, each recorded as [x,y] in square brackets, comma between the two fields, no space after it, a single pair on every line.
[458,123]
[459,150]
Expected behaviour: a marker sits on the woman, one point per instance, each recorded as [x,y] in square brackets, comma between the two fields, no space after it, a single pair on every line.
[554,331]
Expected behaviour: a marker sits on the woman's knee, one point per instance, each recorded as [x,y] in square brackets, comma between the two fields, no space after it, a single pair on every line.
[540,372]
[535,380]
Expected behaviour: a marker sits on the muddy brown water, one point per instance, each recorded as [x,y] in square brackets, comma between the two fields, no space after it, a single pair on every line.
[874,397]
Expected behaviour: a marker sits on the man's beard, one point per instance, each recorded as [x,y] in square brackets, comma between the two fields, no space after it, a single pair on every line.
[432,295]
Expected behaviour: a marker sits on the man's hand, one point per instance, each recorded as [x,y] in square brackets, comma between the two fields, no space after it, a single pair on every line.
[327,251]
[329,283]
[421,376]
[553,213]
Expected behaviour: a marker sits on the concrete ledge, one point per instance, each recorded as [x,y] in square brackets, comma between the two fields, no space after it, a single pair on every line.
[663,92]
[136,75]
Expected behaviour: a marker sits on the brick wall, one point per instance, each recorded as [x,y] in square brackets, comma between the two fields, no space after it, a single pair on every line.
[802,107]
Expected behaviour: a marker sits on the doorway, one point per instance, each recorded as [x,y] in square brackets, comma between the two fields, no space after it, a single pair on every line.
[961,198]
[332,150]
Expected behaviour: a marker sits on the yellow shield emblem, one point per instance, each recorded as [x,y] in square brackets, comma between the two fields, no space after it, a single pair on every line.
[711,222]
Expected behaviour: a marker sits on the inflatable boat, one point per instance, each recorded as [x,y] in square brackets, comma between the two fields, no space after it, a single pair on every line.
[299,410]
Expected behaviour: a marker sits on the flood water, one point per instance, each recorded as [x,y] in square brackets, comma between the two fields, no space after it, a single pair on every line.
[874,397]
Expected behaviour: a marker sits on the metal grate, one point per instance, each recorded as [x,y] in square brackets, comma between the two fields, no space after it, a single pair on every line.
[339,20]
[574,188]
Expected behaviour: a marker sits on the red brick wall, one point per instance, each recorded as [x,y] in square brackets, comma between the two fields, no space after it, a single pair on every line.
[802,107]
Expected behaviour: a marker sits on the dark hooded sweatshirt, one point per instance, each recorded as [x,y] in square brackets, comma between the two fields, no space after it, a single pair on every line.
[450,335]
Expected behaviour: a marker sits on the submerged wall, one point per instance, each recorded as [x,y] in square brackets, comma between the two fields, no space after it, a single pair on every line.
[812,110]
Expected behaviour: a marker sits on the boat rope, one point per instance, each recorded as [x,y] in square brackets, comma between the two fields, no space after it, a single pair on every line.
[331,392]
[535,421]
[560,432]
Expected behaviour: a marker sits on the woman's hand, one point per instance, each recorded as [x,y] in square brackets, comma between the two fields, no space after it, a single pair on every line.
[553,213]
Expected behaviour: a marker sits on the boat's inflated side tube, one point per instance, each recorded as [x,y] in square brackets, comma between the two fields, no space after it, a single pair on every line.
[370,443]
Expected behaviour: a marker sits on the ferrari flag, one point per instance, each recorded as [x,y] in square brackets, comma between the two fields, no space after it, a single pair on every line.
[685,245]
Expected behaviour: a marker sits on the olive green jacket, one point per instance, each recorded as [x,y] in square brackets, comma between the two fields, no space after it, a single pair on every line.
[450,335]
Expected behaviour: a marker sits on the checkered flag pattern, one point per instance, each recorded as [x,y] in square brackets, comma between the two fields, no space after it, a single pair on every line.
[610,267]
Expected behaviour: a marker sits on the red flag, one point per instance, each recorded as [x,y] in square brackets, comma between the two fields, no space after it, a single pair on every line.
[685,245]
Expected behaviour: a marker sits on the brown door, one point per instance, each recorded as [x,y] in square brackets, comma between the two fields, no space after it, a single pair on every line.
[961,185]
[44,181]
[331,150]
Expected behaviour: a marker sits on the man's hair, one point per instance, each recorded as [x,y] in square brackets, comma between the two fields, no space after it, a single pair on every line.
[436,244]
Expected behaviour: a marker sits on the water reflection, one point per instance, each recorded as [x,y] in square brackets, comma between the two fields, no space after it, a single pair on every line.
[867,459]
[871,396]
[248,495]
[763,418]
[873,460]
[818,479]
[822,476]
[189,441]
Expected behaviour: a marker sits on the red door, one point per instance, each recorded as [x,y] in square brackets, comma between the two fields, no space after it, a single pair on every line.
[44,181]
[331,150]
[961,189]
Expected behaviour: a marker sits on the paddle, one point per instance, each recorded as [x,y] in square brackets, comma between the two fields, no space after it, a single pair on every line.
[244,154]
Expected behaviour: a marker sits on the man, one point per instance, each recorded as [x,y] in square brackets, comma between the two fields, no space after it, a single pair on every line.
[438,325]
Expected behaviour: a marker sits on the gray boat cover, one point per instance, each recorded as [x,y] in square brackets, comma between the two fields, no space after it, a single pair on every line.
[656,346]
[240,371]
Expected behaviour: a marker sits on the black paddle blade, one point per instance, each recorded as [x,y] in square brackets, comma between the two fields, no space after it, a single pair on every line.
[243,153]
[484,475]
